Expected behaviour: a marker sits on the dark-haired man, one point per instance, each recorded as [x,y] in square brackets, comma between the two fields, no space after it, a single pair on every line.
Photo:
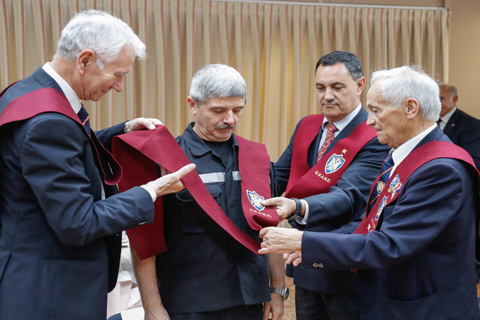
[330,164]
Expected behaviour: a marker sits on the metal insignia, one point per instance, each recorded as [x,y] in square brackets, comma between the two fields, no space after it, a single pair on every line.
[334,163]
[380,186]
[395,186]
[381,206]
[255,199]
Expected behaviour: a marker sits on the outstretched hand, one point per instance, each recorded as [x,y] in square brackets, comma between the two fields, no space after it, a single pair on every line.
[170,183]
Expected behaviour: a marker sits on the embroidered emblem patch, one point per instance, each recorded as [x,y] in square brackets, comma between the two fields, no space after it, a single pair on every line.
[334,163]
[395,186]
[255,199]
[380,186]
[380,207]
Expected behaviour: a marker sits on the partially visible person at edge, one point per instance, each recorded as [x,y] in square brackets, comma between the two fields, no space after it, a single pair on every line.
[316,201]
[59,237]
[206,273]
[415,249]
[460,127]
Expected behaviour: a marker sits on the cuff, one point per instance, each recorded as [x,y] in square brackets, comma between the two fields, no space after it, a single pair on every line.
[151,191]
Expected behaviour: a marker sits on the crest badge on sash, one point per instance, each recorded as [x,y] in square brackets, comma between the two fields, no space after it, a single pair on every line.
[395,186]
[381,206]
[380,186]
[255,199]
[334,163]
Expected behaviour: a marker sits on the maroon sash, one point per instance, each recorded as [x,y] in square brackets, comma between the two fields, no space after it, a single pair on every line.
[139,152]
[40,101]
[303,181]
[417,158]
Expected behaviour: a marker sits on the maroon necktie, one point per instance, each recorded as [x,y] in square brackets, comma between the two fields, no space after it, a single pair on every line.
[328,140]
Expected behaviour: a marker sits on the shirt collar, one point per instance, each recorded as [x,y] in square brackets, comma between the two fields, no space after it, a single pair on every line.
[447,117]
[404,150]
[342,124]
[196,145]
[67,90]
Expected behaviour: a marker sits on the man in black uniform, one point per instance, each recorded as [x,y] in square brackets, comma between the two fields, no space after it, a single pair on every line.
[206,273]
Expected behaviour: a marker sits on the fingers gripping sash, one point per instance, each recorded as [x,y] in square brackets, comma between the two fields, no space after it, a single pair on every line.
[139,151]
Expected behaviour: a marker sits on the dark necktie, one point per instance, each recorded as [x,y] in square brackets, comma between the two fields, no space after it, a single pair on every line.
[381,183]
[328,139]
[84,118]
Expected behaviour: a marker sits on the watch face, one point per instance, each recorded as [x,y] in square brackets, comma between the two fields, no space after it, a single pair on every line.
[287,293]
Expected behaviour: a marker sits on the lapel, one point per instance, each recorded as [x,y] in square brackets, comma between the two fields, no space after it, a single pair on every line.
[452,123]
[435,135]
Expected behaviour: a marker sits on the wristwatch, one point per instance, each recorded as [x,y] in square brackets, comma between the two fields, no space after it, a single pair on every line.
[282,292]
[298,209]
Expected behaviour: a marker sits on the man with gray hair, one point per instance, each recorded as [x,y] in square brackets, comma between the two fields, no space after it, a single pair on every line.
[205,273]
[59,238]
[414,250]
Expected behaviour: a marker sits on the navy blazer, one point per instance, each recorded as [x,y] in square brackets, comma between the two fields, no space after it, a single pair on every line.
[420,263]
[464,131]
[345,202]
[54,223]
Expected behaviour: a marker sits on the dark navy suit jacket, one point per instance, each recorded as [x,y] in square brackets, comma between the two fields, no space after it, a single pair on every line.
[420,263]
[345,202]
[54,228]
[464,131]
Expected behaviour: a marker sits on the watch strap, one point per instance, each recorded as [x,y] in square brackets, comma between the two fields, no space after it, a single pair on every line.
[298,209]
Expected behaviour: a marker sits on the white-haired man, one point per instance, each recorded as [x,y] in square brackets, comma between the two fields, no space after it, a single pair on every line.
[58,242]
[415,249]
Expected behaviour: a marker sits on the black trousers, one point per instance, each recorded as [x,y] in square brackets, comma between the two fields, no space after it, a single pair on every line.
[311,305]
[250,312]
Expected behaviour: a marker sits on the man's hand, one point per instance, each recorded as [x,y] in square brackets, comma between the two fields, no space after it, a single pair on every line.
[280,240]
[141,124]
[171,183]
[295,258]
[274,307]
[284,206]
[159,314]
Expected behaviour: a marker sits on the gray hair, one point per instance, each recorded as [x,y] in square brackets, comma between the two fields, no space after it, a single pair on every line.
[217,81]
[453,90]
[399,84]
[100,32]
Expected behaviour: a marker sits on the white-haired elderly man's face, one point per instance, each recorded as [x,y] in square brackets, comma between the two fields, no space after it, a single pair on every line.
[91,83]
[216,119]
[391,123]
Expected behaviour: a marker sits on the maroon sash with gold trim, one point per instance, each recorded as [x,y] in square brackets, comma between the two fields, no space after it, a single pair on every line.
[140,151]
[417,158]
[303,181]
[40,101]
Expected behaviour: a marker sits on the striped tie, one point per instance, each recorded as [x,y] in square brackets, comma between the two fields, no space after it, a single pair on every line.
[85,118]
[385,174]
[328,140]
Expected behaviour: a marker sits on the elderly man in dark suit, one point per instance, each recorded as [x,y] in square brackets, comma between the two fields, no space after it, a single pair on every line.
[460,127]
[57,237]
[414,249]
